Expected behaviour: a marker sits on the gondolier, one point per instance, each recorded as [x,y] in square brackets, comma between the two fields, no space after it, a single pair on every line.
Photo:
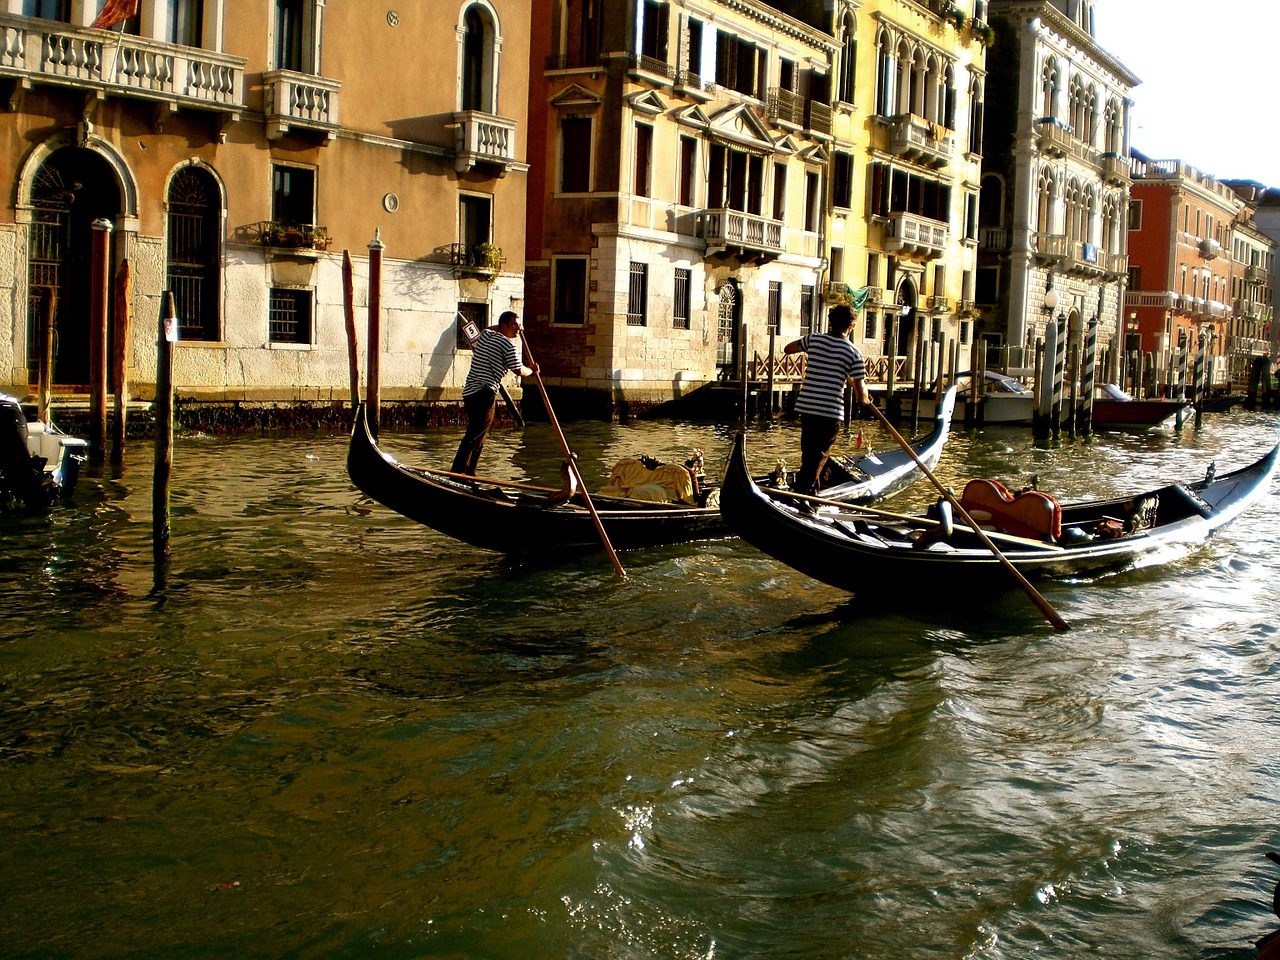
[832,362]
[495,354]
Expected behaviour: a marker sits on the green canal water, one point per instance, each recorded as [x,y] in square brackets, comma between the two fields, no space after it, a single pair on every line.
[333,733]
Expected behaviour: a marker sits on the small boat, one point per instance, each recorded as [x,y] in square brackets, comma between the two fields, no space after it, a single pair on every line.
[1116,409]
[38,462]
[1005,401]
[874,553]
[517,518]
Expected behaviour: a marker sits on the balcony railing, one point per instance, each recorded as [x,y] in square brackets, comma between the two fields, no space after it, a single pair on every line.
[819,118]
[993,239]
[303,101]
[723,228]
[938,304]
[1051,245]
[483,138]
[1054,137]
[917,235]
[43,52]
[1254,273]
[924,141]
[653,66]
[1118,264]
[786,106]
[1115,168]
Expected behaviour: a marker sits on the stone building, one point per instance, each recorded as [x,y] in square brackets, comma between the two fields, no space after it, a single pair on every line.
[1055,181]
[236,149]
[678,162]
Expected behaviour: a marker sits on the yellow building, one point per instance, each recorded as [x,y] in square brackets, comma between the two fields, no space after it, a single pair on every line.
[236,149]
[906,161]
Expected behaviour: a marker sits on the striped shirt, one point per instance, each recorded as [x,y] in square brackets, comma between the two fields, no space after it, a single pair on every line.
[493,356]
[832,360]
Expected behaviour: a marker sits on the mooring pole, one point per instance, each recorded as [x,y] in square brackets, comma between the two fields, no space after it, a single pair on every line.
[373,390]
[120,359]
[44,374]
[160,522]
[99,301]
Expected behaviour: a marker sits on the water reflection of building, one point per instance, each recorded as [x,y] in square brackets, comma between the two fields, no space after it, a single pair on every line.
[237,149]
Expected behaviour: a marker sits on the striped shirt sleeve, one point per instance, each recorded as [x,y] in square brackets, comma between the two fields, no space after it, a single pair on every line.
[493,357]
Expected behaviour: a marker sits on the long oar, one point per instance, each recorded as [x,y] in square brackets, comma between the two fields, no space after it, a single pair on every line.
[1050,614]
[573,464]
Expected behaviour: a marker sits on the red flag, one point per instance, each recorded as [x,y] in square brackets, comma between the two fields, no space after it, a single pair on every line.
[116,11]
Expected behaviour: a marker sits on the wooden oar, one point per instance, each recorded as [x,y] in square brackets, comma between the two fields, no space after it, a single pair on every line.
[573,463]
[1050,614]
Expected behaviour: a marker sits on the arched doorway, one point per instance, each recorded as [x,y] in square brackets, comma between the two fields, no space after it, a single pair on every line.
[194,256]
[72,188]
[729,317]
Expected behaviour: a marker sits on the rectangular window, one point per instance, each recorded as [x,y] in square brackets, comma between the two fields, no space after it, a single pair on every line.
[1135,214]
[289,35]
[293,195]
[812,213]
[694,65]
[808,305]
[842,180]
[653,37]
[638,295]
[289,316]
[185,18]
[48,9]
[682,300]
[837,264]
[965,327]
[575,155]
[474,220]
[780,191]
[570,293]
[775,306]
[472,319]
[643,160]
[873,270]
[872,324]
[688,170]
[755,185]
[970,216]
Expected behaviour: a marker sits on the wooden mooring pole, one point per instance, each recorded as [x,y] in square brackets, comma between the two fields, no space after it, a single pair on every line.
[160,521]
[120,360]
[373,390]
[99,307]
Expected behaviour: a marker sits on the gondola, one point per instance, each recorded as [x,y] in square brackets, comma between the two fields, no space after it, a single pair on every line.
[518,518]
[883,555]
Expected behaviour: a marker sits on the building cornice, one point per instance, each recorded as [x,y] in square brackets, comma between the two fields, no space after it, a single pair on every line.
[1055,20]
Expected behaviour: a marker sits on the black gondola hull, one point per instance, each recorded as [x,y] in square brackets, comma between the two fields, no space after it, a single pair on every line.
[867,557]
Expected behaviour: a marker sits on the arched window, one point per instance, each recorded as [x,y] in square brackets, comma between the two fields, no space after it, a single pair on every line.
[193,265]
[976,109]
[1077,107]
[849,60]
[884,74]
[1049,89]
[1114,132]
[478,59]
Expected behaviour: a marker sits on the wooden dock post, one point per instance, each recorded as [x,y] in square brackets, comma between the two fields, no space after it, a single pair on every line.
[44,372]
[349,316]
[120,359]
[99,307]
[373,389]
[1088,378]
[160,521]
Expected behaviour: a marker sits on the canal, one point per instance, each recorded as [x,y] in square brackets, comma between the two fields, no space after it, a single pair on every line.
[333,733]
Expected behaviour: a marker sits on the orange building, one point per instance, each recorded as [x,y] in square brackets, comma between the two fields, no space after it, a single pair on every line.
[1181,225]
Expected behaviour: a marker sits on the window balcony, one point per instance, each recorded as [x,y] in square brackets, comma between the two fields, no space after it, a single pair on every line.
[1087,260]
[921,140]
[1051,246]
[483,260]
[1254,273]
[993,239]
[1118,265]
[299,101]
[916,235]
[1055,139]
[818,121]
[483,138]
[938,304]
[724,229]
[786,108]
[171,76]
[1115,169]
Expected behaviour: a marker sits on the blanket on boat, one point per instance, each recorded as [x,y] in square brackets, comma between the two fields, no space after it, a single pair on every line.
[661,483]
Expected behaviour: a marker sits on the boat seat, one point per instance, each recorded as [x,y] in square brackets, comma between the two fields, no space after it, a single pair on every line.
[1031,514]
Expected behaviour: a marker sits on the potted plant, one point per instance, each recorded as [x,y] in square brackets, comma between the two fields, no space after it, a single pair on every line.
[487,256]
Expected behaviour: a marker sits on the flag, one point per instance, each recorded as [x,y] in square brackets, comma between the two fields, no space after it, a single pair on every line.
[116,11]
[859,298]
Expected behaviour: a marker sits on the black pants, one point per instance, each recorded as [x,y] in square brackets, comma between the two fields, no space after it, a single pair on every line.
[817,434]
[479,408]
